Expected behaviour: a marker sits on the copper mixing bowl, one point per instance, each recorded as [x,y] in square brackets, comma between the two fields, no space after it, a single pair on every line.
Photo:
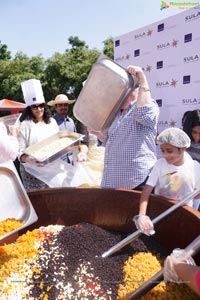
[113,209]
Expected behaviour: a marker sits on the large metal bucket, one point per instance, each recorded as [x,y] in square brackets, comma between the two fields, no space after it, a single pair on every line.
[114,209]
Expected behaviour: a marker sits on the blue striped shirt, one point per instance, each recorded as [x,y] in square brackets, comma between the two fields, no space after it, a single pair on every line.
[65,124]
[130,150]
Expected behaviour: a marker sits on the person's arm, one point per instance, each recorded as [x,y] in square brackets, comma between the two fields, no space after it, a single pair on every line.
[144,93]
[181,268]
[24,139]
[82,129]
[142,221]
[188,274]
[197,176]
[144,199]
[13,130]
[99,134]
[9,148]
[82,154]
[151,183]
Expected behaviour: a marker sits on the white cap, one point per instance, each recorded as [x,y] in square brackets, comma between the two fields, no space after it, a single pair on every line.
[175,137]
[32,91]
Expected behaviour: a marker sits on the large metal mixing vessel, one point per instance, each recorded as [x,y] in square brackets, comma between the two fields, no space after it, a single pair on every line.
[114,209]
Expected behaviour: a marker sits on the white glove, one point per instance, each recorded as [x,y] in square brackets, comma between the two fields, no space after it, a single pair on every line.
[14,130]
[33,161]
[82,156]
[177,256]
[144,224]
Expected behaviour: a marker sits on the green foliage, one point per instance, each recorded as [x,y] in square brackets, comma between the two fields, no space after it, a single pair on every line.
[13,72]
[76,43]
[109,48]
[60,74]
[4,53]
[65,73]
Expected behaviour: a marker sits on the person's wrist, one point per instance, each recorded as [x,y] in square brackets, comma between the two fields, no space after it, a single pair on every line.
[83,148]
[144,88]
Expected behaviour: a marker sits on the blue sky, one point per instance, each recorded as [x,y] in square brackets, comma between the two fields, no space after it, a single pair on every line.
[44,26]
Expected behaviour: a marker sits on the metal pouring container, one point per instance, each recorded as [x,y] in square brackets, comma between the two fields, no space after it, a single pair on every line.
[15,202]
[56,152]
[107,87]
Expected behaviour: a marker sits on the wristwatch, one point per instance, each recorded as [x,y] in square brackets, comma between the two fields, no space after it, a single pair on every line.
[144,88]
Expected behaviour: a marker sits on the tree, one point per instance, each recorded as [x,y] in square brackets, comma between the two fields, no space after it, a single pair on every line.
[62,73]
[109,47]
[4,53]
[75,43]
[13,72]
[66,72]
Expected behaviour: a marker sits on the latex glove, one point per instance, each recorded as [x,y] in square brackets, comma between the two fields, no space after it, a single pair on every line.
[33,161]
[144,224]
[177,256]
[82,156]
[14,130]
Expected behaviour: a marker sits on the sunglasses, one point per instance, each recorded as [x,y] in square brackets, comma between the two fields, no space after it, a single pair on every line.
[34,106]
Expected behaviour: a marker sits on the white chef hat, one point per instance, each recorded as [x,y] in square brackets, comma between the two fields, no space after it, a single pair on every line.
[32,91]
[175,137]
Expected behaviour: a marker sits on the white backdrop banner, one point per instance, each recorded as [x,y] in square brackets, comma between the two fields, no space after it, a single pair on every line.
[169,53]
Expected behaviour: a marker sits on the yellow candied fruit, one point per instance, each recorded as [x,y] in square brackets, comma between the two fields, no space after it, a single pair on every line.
[142,266]
[9,225]
[15,254]
[36,271]
[15,257]
[43,296]
[6,290]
